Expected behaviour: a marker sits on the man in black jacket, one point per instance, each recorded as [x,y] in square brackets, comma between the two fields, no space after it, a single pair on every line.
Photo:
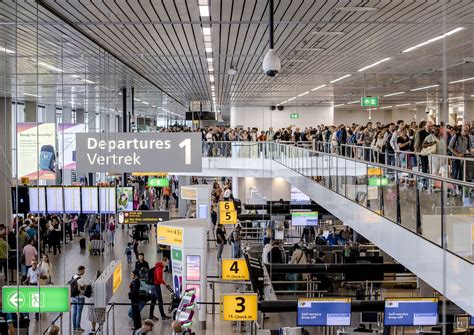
[134,296]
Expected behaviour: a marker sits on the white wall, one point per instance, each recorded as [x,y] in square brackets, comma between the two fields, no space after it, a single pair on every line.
[264,117]
[270,188]
[384,116]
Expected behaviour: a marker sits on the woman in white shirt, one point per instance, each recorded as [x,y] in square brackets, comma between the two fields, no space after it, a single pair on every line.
[45,270]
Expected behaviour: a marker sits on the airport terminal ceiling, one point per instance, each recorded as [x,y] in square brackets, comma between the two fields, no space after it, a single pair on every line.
[177,53]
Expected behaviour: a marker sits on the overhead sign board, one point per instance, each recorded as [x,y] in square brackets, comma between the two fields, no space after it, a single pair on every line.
[33,299]
[226,206]
[324,312]
[158,182]
[369,101]
[143,217]
[411,312]
[188,193]
[170,235]
[239,307]
[374,171]
[139,152]
[235,269]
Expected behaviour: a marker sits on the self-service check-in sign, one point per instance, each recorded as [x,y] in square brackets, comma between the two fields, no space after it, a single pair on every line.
[227,212]
[235,269]
[138,152]
[31,299]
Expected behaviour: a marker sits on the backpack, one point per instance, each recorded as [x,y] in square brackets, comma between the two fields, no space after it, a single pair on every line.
[150,278]
[74,286]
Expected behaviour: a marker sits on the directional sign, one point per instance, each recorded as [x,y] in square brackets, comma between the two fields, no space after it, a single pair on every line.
[228,217]
[294,116]
[369,101]
[143,217]
[235,269]
[170,235]
[239,307]
[158,182]
[33,299]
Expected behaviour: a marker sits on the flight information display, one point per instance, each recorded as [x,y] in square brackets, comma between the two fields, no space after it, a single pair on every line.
[107,199]
[90,200]
[54,199]
[411,312]
[37,197]
[72,199]
[304,218]
[324,312]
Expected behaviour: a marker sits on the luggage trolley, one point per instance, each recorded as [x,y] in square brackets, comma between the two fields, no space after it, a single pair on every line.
[185,311]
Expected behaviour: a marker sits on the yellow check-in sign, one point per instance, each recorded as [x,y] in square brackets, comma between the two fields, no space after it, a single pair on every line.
[228,217]
[235,269]
[170,235]
[239,307]
[225,206]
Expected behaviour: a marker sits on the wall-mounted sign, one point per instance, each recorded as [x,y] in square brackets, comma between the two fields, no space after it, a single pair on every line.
[170,235]
[235,269]
[188,193]
[117,278]
[139,152]
[143,217]
[158,182]
[239,307]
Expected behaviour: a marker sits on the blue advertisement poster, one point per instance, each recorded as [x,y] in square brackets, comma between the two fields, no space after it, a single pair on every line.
[324,312]
[411,312]
[471,321]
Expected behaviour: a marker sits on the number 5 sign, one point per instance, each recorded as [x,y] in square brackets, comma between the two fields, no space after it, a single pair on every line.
[239,307]
[235,269]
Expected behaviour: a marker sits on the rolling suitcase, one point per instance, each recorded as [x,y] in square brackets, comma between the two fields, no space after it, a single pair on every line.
[82,243]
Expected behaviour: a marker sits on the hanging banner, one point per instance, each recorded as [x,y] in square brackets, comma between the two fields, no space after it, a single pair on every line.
[67,144]
[36,146]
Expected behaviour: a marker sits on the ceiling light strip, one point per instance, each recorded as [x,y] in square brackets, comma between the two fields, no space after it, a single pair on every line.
[434,39]
[424,88]
[392,94]
[340,78]
[374,64]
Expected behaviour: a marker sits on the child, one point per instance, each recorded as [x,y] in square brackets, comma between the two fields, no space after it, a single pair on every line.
[128,252]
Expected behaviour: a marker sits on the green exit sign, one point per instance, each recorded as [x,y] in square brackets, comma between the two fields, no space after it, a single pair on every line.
[369,101]
[33,299]
[158,182]
[294,116]
[378,181]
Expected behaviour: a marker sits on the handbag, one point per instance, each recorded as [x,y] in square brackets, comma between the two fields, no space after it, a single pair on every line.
[429,150]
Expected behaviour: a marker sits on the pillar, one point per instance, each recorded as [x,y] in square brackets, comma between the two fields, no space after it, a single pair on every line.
[50,113]
[183,204]
[468,109]
[6,160]
[31,111]
[443,112]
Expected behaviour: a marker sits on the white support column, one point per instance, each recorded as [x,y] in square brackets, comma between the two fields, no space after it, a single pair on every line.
[6,160]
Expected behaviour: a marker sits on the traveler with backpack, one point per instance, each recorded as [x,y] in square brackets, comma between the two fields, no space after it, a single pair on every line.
[141,263]
[134,296]
[157,281]
[78,286]
[235,240]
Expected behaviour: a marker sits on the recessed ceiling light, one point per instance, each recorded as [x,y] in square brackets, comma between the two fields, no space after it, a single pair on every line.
[204,10]
[424,87]
[32,95]
[284,102]
[207,38]
[209,60]
[456,98]
[461,80]
[317,88]
[211,78]
[206,31]
[8,51]
[340,78]
[328,33]
[145,103]
[434,39]
[355,9]
[136,99]
[76,76]
[374,64]
[209,50]
[392,94]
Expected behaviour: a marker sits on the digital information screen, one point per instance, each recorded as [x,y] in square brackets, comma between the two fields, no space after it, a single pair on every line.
[90,200]
[193,267]
[125,198]
[72,200]
[304,218]
[54,200]
[324,312]
[202,212]
[107,199]
[411,312]
[37,197]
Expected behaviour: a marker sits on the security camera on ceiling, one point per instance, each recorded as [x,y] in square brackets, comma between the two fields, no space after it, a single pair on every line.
[271,62]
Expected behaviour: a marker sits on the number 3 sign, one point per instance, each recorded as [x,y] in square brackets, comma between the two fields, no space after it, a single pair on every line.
[239,307]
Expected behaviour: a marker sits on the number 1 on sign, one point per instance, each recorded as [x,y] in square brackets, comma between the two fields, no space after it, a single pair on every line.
[187,150]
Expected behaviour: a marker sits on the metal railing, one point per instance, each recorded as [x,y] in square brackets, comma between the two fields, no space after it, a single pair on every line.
[405,196]
[457,168]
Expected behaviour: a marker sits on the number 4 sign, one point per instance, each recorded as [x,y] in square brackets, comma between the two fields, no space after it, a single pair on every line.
[235,269]
[239,307]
